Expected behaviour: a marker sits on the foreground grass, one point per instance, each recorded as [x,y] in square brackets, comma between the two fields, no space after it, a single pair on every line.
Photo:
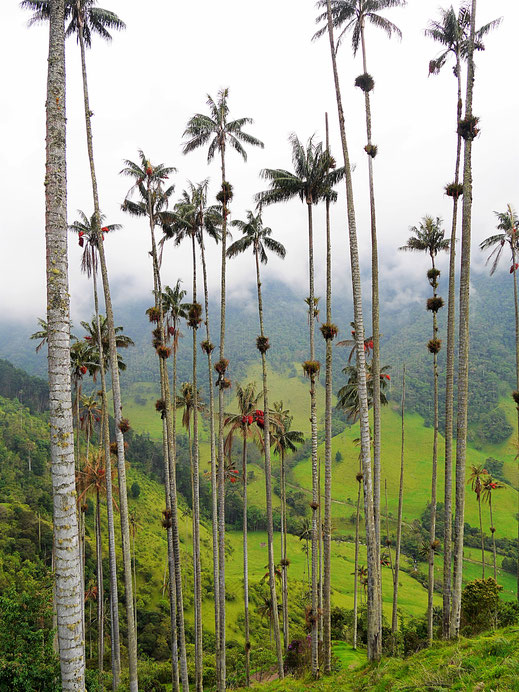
[488,662]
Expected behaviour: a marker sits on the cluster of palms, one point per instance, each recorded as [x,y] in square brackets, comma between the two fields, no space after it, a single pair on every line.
[194,217]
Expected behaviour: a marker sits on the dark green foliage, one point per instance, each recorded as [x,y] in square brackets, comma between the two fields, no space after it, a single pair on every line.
[27,659]
[31,391]
[479,604]
[338,456]
[329,330]
[495,469]
[262,344]
[509,564]
[371,150]
[311,367]
[434,345]
[135,490]
[365,82]
[493,427]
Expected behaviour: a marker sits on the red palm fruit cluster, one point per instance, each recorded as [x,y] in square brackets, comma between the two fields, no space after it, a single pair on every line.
[259,418]
[83,369]
[512,268]
[247,420]
[388,377]
[81,239]
[234,477]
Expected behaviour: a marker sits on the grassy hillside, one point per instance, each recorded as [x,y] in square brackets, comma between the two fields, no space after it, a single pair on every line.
[485,663]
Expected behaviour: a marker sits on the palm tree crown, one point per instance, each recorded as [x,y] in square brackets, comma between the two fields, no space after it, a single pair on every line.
[88,237]
[257,236]
[352,14]
[453,32]
[148,181]
[313,178]
[428,237]
[92,19]
[216,129]
[508,222]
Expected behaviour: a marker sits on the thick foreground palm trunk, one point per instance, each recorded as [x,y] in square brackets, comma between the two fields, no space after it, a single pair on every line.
[68,588]
[373,591]
[463,366]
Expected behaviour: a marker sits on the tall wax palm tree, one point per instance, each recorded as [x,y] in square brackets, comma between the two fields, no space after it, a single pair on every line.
[89,234]
[468,130]
[452,32]
[68,588]
[245,423]
[312,181]
[374,634]
[92,479]
[174,310]
[394,617]
[429,237]
[84,20]
[257,237]
[508,224]
[284,440]
[476,480]
[152,203]
[218,131]
[489,485]
[353,15]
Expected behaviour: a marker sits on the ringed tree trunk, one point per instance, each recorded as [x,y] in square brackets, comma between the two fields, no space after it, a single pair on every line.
[195,477]
[394,618]
[221,453]
[115,651]
[449,385]
[68,588]
[482,539]
[493,532]
[315,472]
[100,591]
[268,482]
[214,487]
[373,590]
[132,635]
[516,308]
[327,448]
[356,568]
[463,366]
[245,561]
[375,319]
[284,558]
[432,532]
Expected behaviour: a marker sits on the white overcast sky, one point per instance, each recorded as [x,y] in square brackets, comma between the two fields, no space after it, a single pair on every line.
[153,77]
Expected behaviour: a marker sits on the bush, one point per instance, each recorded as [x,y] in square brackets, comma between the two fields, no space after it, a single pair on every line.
[479,605]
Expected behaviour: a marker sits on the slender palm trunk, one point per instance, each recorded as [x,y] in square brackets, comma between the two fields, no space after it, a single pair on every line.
[171,559]
[320,579]
[432,532]
[221,453]
[195,478]
[482,539]
[373,587]
[115,648]
[375,321]
[388,539]
[356,567]
[284,558]
[171,425]
[116,391]
[315,472]
[245,562]
[516,309]
[100,591]
[449,385]
[327,451]
[268,484]
[493,532]
[394,618]
[463,367]
[214,486]
[68,591]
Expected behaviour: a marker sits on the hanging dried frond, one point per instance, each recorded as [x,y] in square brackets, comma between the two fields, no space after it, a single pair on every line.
[365,82]
[468,128]
[359,477]
[163,351]
[153,314]
[454,190]
[226,194]
[124,425]
[262,344]
[371,150]
[434,345]
[166,518]
[194,315]
[221,366]
[314,505]
[207,347]
[160,405]
[329,330]
[225,383]
[435,304]
[311,367]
